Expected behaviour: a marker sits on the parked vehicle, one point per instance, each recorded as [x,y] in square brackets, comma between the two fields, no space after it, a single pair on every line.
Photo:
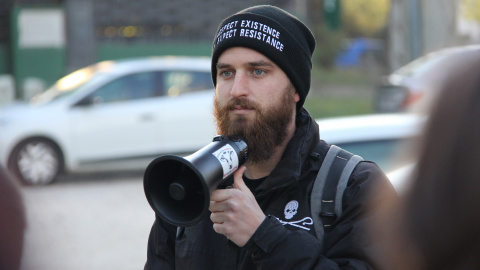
[109,116]
[119,115]
[413,86]
[386,139]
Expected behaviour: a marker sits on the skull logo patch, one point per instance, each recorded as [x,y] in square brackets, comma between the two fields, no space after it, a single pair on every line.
[291,209]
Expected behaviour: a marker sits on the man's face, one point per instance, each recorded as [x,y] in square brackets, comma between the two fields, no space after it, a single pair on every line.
[254,99]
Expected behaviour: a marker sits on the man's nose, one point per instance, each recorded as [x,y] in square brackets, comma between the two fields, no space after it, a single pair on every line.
[240,85]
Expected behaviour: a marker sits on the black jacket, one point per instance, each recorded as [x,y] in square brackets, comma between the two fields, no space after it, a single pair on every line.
[286,239]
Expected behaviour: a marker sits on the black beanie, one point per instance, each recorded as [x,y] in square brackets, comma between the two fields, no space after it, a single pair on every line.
[274,33]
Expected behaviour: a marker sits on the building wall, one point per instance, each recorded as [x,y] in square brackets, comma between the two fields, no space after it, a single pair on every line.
[418,27]
[438,23]
[5,8]
[115,29]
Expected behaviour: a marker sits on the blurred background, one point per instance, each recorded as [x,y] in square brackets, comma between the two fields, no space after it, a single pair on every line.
[102,220]
[357,41]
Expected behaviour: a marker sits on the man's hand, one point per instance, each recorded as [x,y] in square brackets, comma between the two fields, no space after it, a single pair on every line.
[235,212]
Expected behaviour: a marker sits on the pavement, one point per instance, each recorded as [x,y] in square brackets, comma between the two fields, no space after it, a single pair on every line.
[87,224]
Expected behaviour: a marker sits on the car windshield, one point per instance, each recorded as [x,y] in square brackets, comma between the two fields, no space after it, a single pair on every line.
[72,83]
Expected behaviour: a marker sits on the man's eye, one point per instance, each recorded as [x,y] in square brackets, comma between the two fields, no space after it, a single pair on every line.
[258,72]
[226,73]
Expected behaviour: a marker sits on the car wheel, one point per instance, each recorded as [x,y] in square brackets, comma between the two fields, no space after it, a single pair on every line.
[36,161]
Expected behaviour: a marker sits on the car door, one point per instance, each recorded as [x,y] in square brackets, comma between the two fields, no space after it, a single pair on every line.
[186,117]
[143,114]
[118,121]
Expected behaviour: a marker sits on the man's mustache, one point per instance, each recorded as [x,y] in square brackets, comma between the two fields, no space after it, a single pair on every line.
[241,102]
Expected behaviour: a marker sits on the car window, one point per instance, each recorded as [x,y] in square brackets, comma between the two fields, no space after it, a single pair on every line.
[388,154]
[181,82]
[130,87]
[68,85]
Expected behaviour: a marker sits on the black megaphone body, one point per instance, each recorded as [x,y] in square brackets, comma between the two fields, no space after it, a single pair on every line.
[178,188]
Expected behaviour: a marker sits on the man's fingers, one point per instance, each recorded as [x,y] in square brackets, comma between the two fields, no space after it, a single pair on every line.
[217,217]
[219,195]
[224,194]
[238,179]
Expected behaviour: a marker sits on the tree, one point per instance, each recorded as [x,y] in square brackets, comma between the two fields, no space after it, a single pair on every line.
[470,10]
[365,18]
[328,40]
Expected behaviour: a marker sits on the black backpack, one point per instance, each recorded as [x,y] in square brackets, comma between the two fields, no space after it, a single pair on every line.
[331,181]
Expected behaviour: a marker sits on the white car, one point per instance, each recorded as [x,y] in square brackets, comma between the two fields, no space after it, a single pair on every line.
[120,115]
[383,138]
[109,116]
[414,86]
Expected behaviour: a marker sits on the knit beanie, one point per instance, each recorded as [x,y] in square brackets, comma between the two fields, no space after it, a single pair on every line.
[275,33]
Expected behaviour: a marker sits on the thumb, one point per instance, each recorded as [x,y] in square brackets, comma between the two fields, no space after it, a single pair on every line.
[238,179]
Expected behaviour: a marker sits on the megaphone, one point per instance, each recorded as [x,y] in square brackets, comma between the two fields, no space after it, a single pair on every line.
[178,188]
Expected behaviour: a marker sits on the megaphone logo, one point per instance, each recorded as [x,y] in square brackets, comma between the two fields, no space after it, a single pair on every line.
[228,159]
[178,188]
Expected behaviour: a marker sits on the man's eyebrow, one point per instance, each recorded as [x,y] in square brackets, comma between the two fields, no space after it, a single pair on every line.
[260,63]
[222,65]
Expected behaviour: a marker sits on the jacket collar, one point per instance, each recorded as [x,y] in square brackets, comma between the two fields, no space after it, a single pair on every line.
[294,163]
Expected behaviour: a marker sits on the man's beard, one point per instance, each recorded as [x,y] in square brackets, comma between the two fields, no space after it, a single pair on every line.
[264,133]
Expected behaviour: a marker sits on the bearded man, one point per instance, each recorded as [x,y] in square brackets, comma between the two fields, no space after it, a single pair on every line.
[261,65]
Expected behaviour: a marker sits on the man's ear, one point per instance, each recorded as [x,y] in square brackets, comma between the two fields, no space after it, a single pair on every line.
[297,97]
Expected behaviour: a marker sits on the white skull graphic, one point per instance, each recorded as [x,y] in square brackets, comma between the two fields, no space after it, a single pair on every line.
[291,209]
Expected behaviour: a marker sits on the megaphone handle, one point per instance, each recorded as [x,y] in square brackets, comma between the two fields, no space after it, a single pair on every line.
[226,183]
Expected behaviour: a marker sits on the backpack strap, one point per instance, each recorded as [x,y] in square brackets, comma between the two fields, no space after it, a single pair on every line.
[331,181]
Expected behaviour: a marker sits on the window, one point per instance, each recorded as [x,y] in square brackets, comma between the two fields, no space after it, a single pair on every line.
[153,84]
[130,87]
[181,82]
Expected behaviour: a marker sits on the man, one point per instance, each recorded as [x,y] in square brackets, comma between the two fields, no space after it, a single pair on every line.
[261,64]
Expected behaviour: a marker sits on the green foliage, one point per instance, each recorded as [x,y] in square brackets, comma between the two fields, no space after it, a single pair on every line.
[340,93]
[329,45]
[332,106]
[352,77]
[470,10]
[365,18]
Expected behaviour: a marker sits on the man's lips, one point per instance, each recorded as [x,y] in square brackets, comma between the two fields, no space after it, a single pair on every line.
[240,109]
